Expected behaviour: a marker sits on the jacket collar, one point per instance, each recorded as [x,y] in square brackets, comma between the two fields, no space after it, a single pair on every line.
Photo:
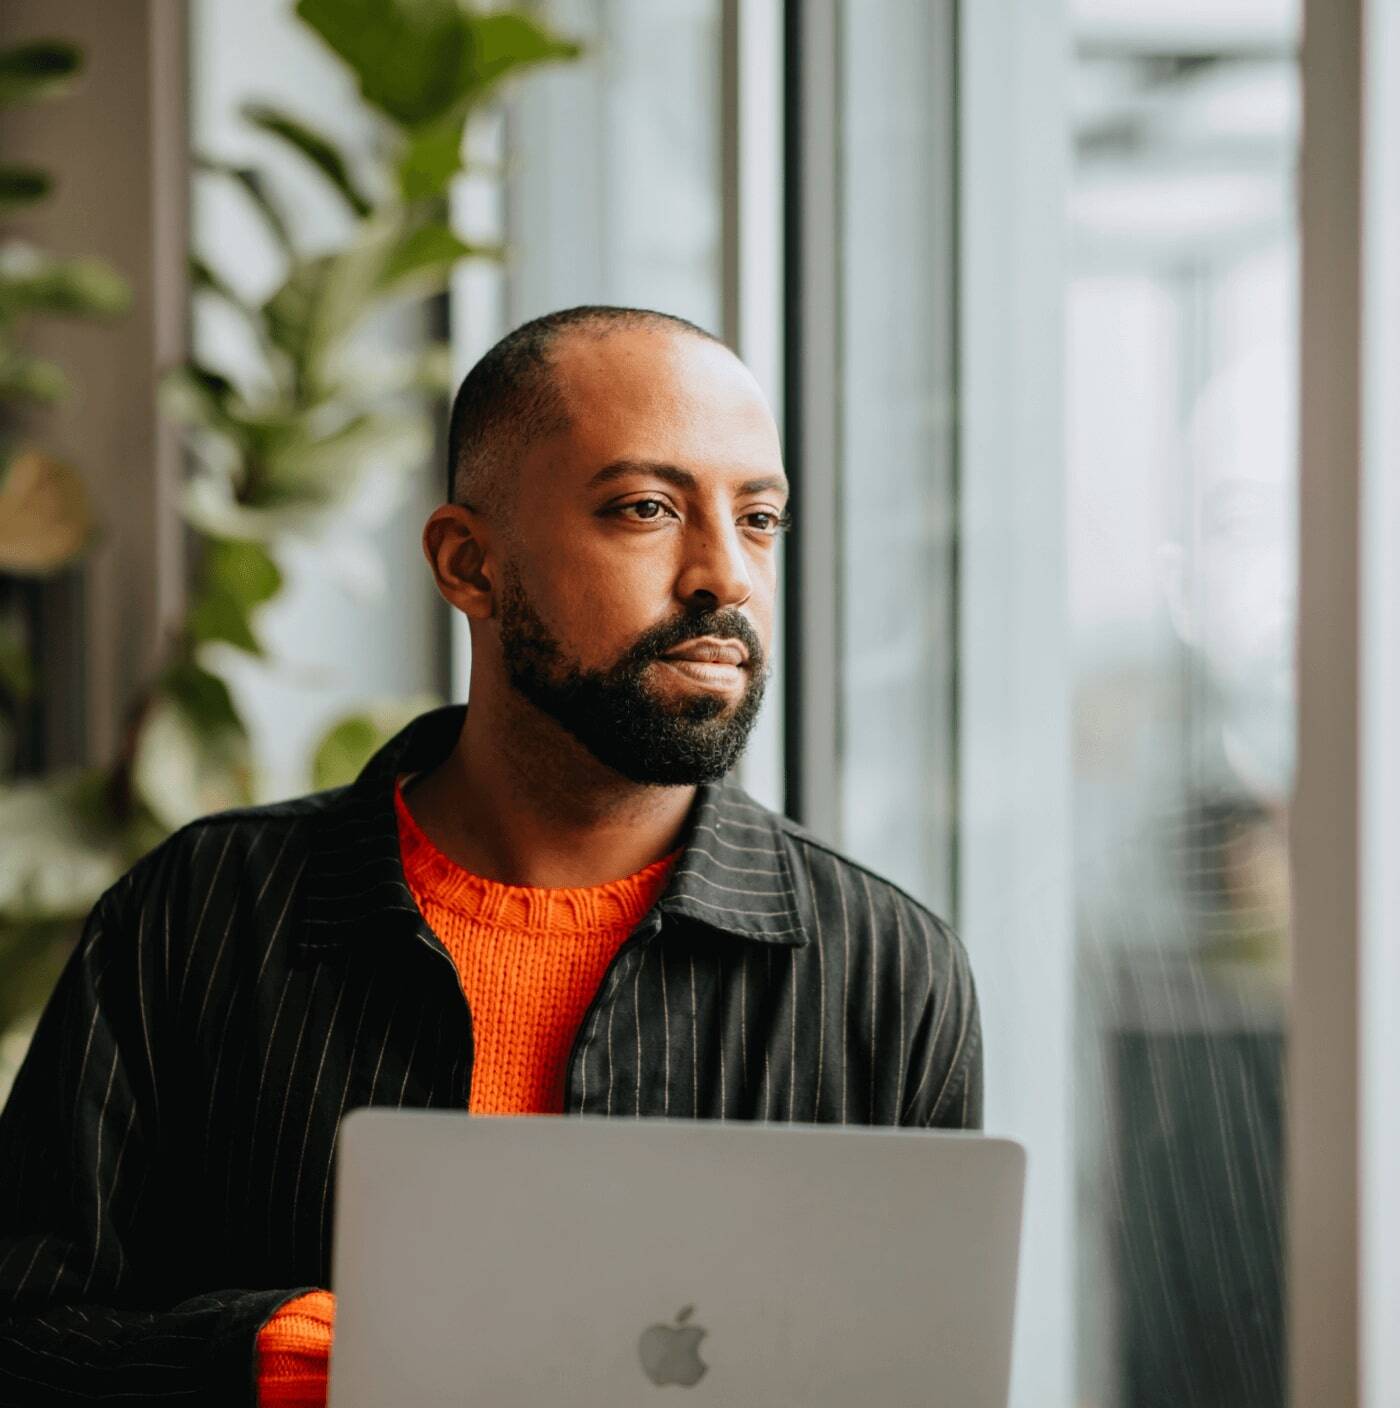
[354,882]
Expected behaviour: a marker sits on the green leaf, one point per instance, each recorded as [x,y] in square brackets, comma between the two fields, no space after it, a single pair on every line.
[60,851]
[32,955]
[244,570]
[218,618]
[318,149]
[192,754]
[38,69]
[236,577]
[323,301]
[328,470]
[425,258]
[204,697]
[254,185]
[431,371]
[351,741]
[419,60]
[23,377]
[16,666]
[210,504]
[343,752]
[23,185]
[432,157]
[204,278]
[407,55]
[196,395]
[32,281]
[502,43]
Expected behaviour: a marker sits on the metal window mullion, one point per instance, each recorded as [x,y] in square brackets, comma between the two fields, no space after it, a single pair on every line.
[1324,1130]
[751,290]
[812,415]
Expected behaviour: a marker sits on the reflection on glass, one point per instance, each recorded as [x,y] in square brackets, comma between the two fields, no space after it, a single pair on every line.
[1182,494]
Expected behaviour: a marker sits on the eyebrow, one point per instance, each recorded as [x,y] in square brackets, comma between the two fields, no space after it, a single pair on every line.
[674,474]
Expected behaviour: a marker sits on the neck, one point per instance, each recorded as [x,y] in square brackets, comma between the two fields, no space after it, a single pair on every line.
[519,800]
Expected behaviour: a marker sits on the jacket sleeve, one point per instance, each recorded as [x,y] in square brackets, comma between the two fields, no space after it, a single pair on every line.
[945,1061]
[81,1317]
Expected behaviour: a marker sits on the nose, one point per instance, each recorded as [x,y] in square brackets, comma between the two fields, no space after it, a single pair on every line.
[716,572]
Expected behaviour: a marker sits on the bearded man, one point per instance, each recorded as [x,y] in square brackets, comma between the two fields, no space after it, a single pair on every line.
[551,901]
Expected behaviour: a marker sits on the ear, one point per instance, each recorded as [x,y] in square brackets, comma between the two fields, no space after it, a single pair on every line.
[456,542]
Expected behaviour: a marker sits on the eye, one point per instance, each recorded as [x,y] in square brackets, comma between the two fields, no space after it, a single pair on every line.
[646,504]
[776,522]
[651,510]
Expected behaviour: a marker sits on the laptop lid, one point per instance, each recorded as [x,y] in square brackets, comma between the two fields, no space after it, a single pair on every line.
[514,1262]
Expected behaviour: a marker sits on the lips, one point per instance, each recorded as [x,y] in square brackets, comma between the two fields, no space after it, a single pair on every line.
[712,652]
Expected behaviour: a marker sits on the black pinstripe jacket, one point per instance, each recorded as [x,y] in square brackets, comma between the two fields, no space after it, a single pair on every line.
[166,1168]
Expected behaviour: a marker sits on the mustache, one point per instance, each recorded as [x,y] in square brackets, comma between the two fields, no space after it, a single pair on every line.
[722,625]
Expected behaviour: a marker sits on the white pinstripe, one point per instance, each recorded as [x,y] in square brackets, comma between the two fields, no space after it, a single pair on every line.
[742,847]
[315,1090]
[257,1104]
[286,1101]
[388,1027]
[408,1060]
[666,1027]
[733,913]
[116,1183]
[938,1026]
[694,1046]
[735,869]
[821,990]
[899,949]
[845,981]
[874,991]
[228,1015]
[735,890]
[141,1003]
[612,1010]
[637,1023]
[203,910]
[720,1015]
[330,1152]
[97,1180]
[768,993]
[744,1019]
[277,927]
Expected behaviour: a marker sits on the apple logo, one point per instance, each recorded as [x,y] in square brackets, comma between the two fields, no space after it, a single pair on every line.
[671,1353]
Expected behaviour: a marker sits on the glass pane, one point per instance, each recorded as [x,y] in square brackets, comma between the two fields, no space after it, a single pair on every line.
[1181,479]
[896,442]
[1067,629]
[615,197]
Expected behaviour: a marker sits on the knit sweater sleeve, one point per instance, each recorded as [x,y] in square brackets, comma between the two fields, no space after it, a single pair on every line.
[293,1351]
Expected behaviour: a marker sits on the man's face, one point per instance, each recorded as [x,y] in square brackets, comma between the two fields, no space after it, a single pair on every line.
[651,523]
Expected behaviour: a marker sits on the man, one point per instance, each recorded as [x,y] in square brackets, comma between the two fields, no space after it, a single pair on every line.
[551,900]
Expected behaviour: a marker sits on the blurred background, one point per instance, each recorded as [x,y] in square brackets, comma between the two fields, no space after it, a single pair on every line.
[1021,283]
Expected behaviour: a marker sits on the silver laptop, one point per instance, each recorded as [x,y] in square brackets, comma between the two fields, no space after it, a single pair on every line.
[582,1262]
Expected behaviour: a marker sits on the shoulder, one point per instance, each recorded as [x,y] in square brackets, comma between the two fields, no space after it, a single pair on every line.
[228,847]
[844,898]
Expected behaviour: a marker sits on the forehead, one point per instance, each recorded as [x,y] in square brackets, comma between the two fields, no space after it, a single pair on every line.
[657,395]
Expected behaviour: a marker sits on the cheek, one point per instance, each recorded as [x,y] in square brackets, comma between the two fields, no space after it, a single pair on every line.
[598,604]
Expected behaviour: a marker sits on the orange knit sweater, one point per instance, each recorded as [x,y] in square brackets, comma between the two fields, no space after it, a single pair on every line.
[529,960]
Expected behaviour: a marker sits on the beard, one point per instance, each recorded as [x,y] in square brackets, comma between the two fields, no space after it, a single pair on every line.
[647,737]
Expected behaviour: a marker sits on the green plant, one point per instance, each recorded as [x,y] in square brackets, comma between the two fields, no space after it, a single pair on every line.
[46,522]
[276,453]
[45,517]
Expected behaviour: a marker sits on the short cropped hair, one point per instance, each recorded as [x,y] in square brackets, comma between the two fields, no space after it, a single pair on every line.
[511,398]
